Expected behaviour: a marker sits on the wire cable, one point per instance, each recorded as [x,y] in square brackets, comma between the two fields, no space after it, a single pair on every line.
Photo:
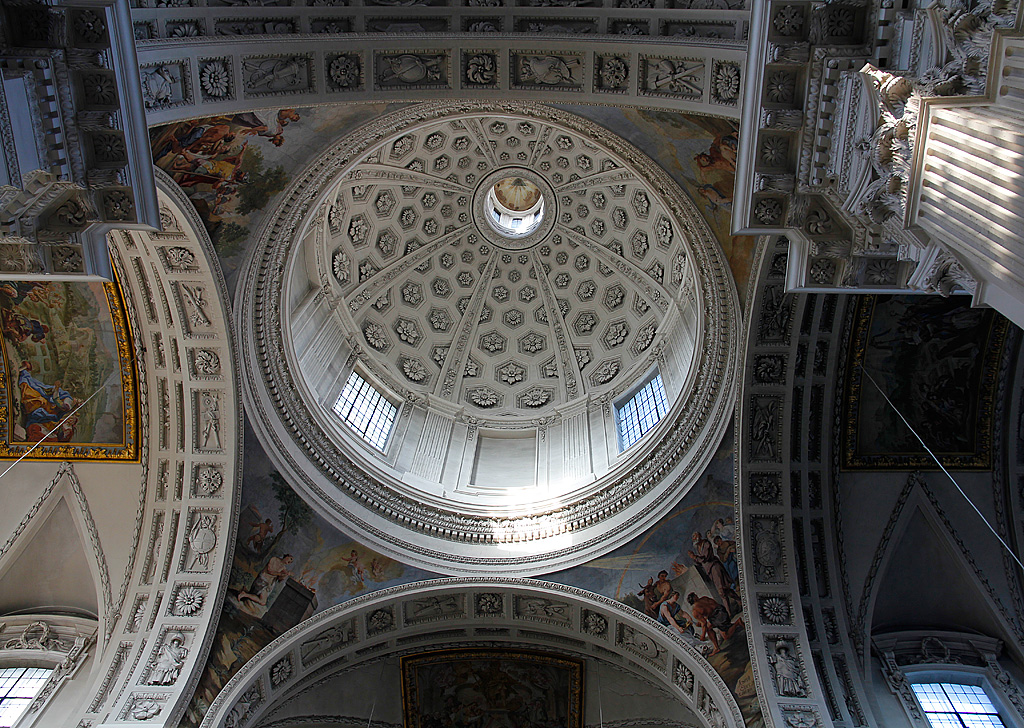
[373,707]
[943,467]
[59,423]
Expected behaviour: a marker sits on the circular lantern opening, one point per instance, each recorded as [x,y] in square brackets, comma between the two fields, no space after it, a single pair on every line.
[515,206]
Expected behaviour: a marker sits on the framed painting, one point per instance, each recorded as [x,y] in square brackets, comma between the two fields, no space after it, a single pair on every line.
[493,687]
[69,384]
[937,359]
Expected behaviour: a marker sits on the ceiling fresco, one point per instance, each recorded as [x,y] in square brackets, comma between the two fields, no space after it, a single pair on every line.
[289,563]
[938,360]
[68,372]
[691,551]
[233,167]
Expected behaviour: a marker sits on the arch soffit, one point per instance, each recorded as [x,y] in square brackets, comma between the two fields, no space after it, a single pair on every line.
[768,575]
[177,302]
[376,625]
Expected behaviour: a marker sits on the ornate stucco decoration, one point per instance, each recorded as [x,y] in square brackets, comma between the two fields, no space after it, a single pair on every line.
[904,653]
[510,327]
[81,165]
[831,154]
[152,654]
[478,336]
[451,612]
[59,642]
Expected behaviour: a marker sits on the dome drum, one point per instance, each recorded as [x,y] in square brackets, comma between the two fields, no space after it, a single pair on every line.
[504,358]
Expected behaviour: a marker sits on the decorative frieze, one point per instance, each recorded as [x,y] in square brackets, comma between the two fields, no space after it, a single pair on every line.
[680,77]
[707,76]
[412,70]
[538,70]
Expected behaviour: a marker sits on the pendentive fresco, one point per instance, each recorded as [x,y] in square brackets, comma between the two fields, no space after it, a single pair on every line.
[290,564]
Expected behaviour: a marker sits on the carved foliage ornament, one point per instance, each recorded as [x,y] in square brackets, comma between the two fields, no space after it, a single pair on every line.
[40,636]
[118,205]
[725,83]
[482,69]
[344,71]
[188,601]
[768,211]
[613,72]
[215,79]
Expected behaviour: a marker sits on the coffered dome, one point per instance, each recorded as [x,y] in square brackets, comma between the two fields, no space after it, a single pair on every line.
[448,299]
[499,280]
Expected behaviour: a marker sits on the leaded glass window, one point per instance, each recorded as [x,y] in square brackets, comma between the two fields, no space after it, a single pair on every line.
[18,687]
[366,410]
[951,705]
[641,412]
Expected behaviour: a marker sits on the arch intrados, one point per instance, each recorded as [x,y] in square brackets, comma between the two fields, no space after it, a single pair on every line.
[642,646]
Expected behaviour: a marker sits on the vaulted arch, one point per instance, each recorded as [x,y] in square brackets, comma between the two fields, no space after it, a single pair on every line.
[469,612]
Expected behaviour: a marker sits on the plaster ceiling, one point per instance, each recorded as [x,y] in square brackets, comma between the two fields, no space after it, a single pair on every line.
[446,305]
[66,582]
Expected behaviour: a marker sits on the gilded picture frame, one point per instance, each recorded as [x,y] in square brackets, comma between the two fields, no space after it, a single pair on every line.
[524,688]
[70,387]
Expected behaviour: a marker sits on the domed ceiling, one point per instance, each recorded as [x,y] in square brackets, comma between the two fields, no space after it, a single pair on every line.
[448,305]
[506,274]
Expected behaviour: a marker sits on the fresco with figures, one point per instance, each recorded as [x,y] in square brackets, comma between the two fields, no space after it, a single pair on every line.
[232,167]
[699,152]
[937,359]
[68,371]
[288,565]
[683,573]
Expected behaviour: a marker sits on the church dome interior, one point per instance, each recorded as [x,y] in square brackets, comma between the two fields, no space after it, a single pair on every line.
[503,362]
[493,363]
